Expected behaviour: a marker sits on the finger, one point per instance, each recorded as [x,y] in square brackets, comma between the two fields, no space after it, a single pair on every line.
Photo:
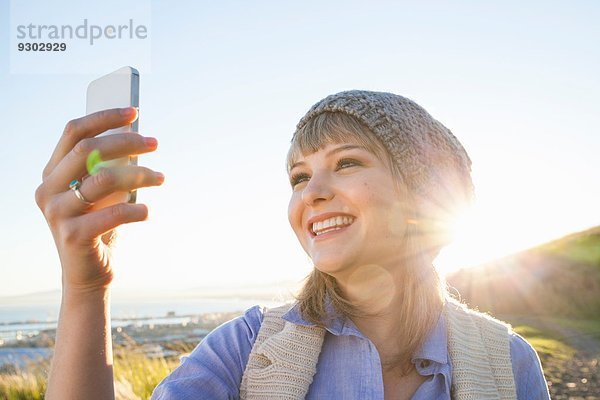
[103,221]
[108,181]
[88,126]
[73,165]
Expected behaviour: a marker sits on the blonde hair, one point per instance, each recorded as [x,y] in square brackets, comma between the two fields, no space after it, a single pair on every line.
[422,289]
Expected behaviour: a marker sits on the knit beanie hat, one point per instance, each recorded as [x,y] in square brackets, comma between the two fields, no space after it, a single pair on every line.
[433,163]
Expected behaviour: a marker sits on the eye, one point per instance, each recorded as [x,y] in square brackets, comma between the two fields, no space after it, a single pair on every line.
[297,178]
[346,163]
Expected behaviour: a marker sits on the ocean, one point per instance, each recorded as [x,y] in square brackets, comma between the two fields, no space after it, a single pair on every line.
[10,314]
[18,322]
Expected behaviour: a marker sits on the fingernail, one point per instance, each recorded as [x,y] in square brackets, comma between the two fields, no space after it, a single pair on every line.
[160,176]
[128,111]
[150,141]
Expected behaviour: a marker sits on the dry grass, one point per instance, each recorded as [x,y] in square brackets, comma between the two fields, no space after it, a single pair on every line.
[136,376]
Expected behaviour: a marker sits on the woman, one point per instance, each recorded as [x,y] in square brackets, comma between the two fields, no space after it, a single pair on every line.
[375,183]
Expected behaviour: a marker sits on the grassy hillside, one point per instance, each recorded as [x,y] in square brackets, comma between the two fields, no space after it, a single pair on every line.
[559,279]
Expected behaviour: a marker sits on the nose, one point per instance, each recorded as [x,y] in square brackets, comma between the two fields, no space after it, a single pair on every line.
[317,190]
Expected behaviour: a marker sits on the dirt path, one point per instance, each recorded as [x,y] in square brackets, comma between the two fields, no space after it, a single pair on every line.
[577,377]
[584,343]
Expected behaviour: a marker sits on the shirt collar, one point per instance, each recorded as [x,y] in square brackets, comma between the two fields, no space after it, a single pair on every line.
[435,347]
[334,323]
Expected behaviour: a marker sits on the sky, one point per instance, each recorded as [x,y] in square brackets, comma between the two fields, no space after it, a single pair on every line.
[224,84]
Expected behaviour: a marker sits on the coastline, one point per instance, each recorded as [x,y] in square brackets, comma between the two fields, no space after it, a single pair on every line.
[153,336]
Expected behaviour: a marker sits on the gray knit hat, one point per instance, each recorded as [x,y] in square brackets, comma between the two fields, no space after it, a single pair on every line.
[434,164]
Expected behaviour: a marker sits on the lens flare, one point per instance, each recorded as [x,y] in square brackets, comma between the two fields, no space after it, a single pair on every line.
[94,162]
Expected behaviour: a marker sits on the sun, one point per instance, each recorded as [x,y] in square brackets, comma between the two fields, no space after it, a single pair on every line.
[486,233]
[476,239]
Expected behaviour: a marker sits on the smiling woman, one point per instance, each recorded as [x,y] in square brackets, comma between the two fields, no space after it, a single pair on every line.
[340,170]
[375,181]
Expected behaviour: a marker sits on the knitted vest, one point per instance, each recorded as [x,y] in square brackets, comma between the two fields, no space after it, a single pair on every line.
[284,357]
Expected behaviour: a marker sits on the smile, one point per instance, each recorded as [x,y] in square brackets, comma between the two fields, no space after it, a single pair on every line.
[331,224]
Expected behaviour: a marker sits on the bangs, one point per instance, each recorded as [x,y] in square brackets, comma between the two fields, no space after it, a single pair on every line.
[333,128]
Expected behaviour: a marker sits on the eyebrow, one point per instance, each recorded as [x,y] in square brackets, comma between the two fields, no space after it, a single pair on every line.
[333,151]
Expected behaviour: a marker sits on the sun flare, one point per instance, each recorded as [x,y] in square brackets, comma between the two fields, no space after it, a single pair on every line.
[479,236]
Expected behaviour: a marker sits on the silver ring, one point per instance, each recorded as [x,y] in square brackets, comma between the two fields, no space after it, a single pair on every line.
[74,186]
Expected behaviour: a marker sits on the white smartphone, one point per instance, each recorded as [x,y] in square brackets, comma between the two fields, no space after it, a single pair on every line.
[120,88]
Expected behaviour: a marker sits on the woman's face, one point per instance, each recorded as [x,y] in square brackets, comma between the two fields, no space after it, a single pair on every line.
[346,209]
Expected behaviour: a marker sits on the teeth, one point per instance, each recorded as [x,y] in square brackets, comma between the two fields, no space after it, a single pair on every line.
[331,224]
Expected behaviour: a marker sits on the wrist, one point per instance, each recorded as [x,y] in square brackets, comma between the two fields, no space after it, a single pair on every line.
[78,294]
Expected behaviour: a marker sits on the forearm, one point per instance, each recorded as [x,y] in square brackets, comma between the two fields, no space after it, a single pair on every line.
[82,363]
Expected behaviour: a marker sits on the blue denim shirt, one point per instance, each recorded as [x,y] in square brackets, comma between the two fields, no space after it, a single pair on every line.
[348,368]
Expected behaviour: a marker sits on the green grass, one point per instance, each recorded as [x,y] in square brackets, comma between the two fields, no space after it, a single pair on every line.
[545,343]
[588,326]
[25,386]
[583,247]
[136,373]
[27,383]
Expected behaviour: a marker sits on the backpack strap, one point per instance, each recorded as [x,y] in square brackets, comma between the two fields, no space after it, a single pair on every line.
[479,348]
[284,357]
[283,360]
